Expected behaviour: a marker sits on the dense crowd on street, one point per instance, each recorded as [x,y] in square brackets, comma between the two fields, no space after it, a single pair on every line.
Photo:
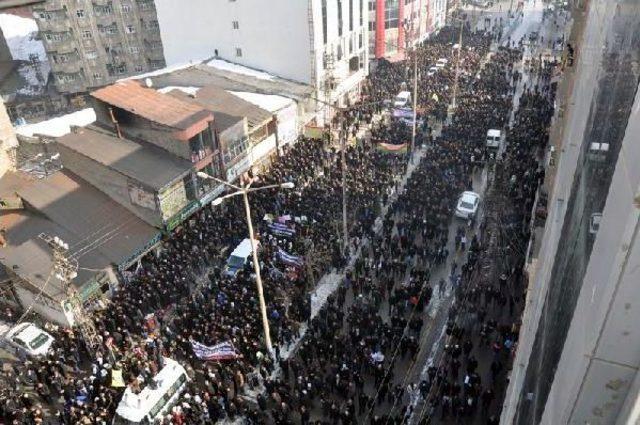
[349,367]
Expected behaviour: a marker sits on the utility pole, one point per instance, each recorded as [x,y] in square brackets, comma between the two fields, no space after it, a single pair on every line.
[455,84]
[345,228]
[415,86]
[66,269]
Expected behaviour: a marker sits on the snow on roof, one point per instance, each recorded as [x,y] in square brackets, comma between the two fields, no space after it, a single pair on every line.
[162,71]
[59,126]
[186,89]
[270,102]
[20,34]
[239,69]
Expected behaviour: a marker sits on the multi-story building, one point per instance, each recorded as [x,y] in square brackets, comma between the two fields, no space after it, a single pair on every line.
[578,355]
[322,43]
[393,24]
[93,43]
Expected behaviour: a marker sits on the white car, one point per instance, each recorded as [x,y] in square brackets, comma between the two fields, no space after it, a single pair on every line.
[432,71]
[29,339]
[467,206]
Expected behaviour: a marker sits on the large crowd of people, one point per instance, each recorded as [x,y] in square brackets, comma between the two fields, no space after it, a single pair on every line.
[349,367]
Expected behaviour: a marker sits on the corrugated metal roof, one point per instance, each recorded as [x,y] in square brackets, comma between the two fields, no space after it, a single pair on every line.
[152,105]
[82,216]
[221,101]
[147,164]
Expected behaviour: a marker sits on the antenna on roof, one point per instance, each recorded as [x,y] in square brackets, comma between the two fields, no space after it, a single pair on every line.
[148,82]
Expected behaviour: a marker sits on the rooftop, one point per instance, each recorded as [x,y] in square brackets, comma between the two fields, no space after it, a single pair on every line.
[143,163]
[150,104]
[98,230]
[221,101]
[228,77]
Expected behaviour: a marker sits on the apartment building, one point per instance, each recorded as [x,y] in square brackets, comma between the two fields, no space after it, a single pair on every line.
[93,43]
[322,43]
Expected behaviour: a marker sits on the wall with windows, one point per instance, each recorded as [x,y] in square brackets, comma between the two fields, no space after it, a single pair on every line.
[92,44]
[577,356]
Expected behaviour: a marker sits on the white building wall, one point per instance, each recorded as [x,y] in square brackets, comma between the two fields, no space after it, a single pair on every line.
[345,80]
[439,13]
[273,35]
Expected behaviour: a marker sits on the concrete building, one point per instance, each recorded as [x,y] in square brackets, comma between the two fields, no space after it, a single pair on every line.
[8,142]
[93,43]
[322,43]
[578,354]
[394,23]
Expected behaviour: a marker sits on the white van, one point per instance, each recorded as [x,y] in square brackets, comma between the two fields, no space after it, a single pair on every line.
[239,257]
[441,63]
[155,400]
[28,339]
[494,138]
[402,99]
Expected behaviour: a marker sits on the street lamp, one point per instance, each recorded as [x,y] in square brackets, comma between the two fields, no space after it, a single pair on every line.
[244,191]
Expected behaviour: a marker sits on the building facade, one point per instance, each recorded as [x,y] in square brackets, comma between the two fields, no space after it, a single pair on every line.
[322,43]
[394,23]
[94,43]
[578,353]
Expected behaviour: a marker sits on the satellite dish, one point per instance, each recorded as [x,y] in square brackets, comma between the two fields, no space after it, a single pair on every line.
[148,82]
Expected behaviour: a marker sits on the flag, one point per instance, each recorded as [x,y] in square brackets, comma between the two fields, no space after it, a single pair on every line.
[403,113]
[222,351]
[289,259]
[391,148]
[281,229]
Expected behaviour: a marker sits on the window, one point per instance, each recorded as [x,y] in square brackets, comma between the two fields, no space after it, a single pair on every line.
[102,10]
[130,29]
[238,52]
[339,54]
[66,78]
[324,21]
[44,15]
[340,23]
[235,25]
[350,45]
[361,13]
[360,41]
[391,14]
[126,8]
[55,37]
[87,35]
[235,148]
[134,49]
[350,15]
[138,68]
[121,69]
[97,76]
[80,13]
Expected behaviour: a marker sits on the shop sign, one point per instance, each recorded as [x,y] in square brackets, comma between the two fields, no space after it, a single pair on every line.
[176,220]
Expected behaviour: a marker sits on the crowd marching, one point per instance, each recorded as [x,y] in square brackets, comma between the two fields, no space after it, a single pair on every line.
[351,364]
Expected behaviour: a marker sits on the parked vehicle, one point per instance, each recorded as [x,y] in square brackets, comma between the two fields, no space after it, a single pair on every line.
[154,400]
[432,71]
[494,138]
[28,339]
[402,99]
[467,206]
[441,63]
[239,257]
